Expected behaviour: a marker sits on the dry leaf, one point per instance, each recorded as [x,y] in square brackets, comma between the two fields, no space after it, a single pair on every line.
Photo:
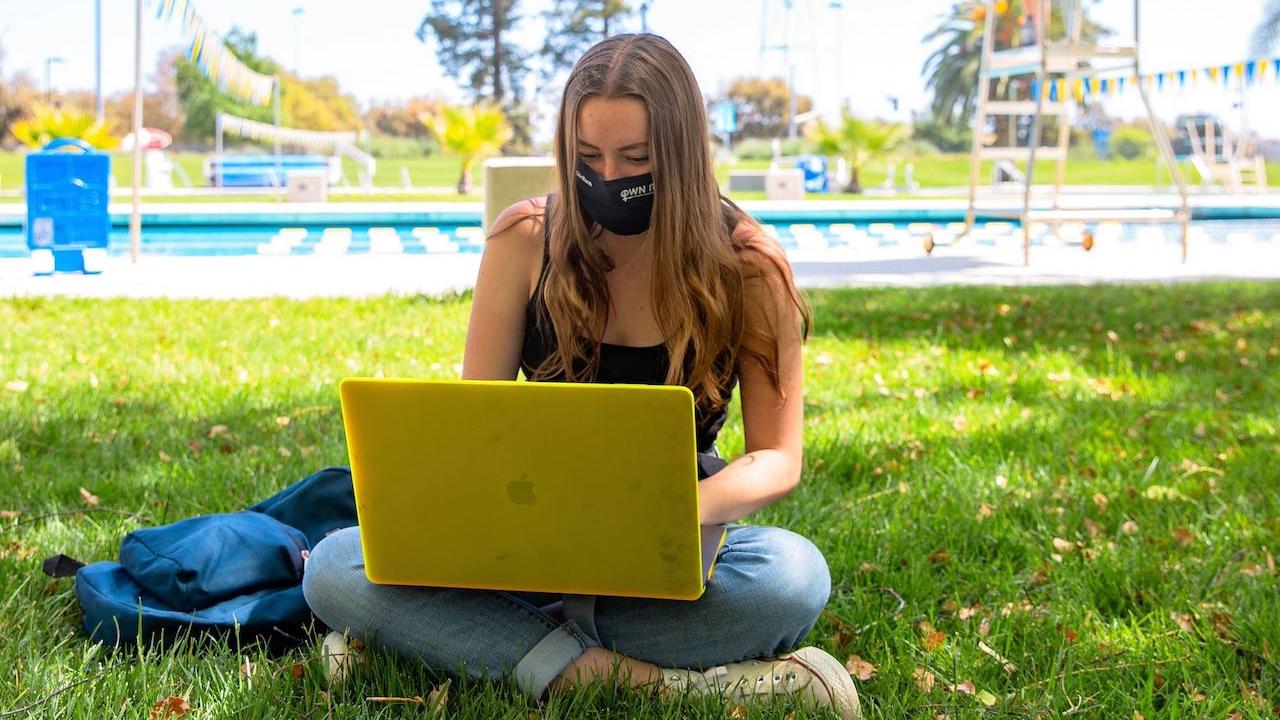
[172,706]
[1183,537]
[415,700]
[940,556]
[738,711]
[1091,527]
[986,698]
[969,611]
[296,671]
[164,456]
[88,497]
[1100,501]
[438,697]
[282,421]
[1184,621]
[10,514]
[934,640]
[859,668]
[965,687]
[985,511]
[1129,527]
[217,430]
[1063,546]
[1005,663]
[924,680]
[246,668]
[984,627]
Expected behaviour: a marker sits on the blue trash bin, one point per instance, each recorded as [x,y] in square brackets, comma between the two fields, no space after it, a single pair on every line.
[815,172]
[68,188]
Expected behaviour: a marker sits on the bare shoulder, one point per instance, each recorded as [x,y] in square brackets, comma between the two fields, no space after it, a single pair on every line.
[520,223]
[515,242]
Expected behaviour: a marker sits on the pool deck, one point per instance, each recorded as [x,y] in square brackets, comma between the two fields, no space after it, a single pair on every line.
[904,265]
[225,277]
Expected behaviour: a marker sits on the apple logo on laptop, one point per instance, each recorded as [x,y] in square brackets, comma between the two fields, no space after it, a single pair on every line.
[521,491]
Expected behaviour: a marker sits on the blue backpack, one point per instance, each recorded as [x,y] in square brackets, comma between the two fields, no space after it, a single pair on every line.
[212,574]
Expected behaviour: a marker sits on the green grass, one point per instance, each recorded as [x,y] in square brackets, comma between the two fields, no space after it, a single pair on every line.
[1083,479]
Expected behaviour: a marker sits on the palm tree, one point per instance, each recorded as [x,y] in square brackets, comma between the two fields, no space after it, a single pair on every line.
[1267,34]
[45,125]
[470,133]
[860,142]
[952,69]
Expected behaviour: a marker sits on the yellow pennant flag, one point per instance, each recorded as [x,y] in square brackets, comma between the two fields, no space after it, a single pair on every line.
[1213,73]
[1262,68]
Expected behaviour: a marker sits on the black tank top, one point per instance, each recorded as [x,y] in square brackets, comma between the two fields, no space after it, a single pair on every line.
[628,364]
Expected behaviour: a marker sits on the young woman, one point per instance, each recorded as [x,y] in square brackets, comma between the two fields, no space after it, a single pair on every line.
[637,271]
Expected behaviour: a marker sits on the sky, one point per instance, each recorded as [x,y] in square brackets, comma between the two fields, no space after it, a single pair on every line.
[862,51]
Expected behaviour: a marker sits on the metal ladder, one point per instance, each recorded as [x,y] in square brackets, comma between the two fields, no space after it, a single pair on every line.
[1044,61]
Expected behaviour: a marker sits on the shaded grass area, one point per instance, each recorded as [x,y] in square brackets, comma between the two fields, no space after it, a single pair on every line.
[1081,481]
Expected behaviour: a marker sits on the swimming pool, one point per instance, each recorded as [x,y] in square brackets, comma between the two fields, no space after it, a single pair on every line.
[211,233]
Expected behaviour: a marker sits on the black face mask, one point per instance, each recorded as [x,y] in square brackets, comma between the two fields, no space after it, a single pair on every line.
[622,206]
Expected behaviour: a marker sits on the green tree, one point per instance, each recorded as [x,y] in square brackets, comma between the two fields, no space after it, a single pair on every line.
[1267,35]
[307,103]
[470,133]
[952,69]
[762,105]
[573,26]
[474,43]
[860,142]
[201,98]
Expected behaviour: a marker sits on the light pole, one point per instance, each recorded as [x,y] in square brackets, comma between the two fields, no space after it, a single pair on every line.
[98,107]
[297,35]
[48,76]
[644,16]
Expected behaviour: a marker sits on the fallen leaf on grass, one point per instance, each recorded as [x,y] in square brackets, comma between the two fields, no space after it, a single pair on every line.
[10,514]
[940,556]
[1063,546]
[1005,663]
[1100,501]
[88,497]
[859,668]
[1183,537]
[738,712]
[217,430]
[415,700]
[924,680]
[934,640]
[439,696]
[1184,621]
[986,698]
[172,706]
[964,687]
[1129,527]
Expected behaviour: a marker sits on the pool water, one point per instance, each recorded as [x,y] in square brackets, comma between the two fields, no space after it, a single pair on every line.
[794,234]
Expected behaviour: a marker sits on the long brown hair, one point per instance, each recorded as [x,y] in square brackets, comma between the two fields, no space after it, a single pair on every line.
[698,270]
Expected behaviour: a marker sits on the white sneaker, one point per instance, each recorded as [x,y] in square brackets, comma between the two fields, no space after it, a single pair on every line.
[340,654]
[809,672]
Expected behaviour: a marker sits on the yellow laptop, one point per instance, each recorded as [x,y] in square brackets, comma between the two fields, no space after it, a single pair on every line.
[572,488]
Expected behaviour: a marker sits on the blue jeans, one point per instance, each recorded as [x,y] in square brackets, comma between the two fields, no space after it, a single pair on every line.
[766,593]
